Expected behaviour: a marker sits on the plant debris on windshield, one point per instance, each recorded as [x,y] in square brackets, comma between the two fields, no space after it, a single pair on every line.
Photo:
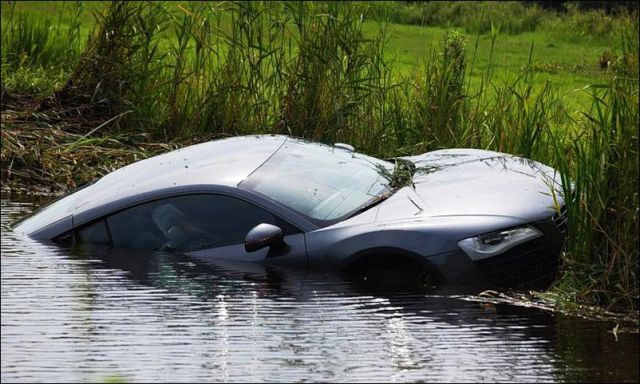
[401,176]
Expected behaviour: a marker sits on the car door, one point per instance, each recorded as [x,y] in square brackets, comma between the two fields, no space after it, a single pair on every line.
[207,227]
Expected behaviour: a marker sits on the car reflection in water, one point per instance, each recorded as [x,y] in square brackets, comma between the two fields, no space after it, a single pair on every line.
[442,309]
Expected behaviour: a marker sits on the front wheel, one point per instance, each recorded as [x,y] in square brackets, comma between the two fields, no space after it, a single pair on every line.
[390,272]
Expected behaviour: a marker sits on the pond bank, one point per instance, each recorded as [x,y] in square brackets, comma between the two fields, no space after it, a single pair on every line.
[42,151]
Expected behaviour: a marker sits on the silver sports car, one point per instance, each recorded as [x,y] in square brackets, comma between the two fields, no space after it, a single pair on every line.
[460,216]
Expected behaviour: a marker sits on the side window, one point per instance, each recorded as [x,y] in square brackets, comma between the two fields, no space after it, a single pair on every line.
[182,223]
[66,239]
[134,228]
[95,233]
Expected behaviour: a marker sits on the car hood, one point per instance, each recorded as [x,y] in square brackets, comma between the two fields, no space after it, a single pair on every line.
[474,182]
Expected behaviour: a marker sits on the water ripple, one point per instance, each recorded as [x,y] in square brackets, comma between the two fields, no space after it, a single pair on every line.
[69,316]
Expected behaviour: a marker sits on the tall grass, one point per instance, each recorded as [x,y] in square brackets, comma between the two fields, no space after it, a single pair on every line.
[45,42]
[47,45]
[115,68]
[600,168]
[440,96]
[184,72]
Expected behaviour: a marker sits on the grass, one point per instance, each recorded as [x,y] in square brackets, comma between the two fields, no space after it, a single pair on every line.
[83,95]
[569,62]
[569,66]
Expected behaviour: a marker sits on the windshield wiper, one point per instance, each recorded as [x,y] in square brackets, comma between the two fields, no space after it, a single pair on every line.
[401,176]
[372,203]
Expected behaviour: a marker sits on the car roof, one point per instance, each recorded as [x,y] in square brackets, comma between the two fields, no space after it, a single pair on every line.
[224,162]
[220,162]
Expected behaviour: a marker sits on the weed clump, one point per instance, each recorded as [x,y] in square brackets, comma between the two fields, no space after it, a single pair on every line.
[114,67]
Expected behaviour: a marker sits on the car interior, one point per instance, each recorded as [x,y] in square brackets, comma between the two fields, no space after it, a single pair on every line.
[180,232]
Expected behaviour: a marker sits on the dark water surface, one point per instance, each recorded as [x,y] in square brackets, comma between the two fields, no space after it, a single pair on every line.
[69,317]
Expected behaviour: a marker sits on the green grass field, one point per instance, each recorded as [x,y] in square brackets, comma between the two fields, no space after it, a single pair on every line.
[569,63]
[569,66]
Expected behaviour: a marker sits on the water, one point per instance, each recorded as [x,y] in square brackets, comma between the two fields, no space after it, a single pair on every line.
[139,317]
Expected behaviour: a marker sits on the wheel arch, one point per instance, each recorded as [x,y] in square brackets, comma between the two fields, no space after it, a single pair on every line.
[383,255]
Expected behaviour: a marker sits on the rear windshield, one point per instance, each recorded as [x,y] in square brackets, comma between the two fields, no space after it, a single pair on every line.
[320,182]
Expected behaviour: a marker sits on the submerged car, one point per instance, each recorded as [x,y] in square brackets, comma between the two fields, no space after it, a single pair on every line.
[460,216]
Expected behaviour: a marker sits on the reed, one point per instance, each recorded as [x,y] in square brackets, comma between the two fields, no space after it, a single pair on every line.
[116,66]
[600,166]
[41,41]
[37,52]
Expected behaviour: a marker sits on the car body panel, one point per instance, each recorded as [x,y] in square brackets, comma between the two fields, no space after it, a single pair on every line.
[294,253]
[332,247]
[477,182]
[53,229]
[404,204]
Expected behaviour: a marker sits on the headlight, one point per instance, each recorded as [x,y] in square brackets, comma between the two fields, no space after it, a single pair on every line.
[495,243]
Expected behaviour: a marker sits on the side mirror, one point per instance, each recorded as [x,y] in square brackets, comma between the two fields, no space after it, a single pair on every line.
[263,235]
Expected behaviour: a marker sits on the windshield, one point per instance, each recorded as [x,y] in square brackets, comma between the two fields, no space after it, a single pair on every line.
[321,182]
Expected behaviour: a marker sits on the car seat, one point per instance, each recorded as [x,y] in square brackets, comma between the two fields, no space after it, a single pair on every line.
[182,235]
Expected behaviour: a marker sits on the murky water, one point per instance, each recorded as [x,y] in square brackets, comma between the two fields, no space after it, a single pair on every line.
[139,317]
